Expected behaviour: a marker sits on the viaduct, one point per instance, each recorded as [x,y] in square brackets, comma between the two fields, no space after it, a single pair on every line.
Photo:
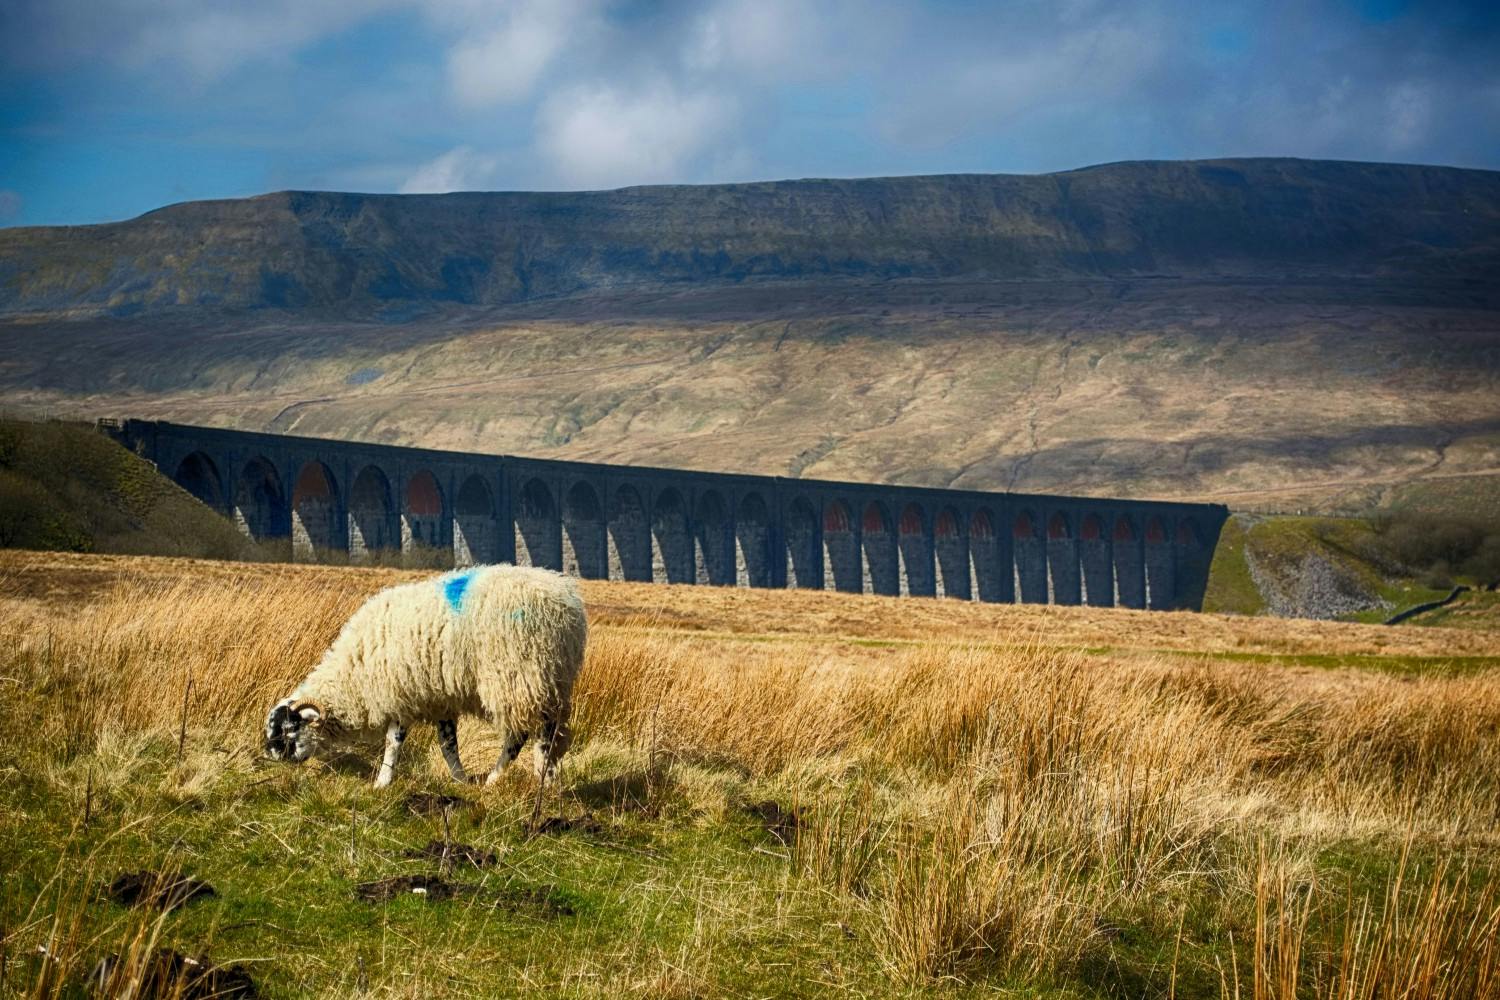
[364,502]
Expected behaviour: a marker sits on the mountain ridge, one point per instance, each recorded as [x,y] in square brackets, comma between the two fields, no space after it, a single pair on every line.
[356,255]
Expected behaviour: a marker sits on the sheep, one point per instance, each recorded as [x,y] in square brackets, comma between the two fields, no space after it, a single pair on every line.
[501,642]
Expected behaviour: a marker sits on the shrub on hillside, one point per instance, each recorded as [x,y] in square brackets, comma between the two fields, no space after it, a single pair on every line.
[21,506]
[1437,548]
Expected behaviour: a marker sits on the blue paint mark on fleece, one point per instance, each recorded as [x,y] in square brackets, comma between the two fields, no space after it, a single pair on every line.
[454,588]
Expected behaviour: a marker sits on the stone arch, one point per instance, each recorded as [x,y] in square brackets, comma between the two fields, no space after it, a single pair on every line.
[1062,560]
[372,516]
[878,544]
[629,537]
[1160,565]
[1186,534]
[711,559]
[260,506]
[423,519]
[1096,562]
[914,551]
[1191,564]
[315,507]
[583,536]
[802,566]
[951,555]
[476,528]
[752,536]
[671,545]
[537,529]
[1130,565]
[989,564]
[1030,558]
[198,474]
[840,549]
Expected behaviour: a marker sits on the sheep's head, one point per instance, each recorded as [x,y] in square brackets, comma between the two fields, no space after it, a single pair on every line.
[294,730]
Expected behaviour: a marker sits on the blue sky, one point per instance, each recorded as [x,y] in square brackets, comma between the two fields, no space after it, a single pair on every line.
[109,108]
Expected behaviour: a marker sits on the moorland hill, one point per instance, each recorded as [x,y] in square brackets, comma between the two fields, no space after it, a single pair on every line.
[364,254]
[1276,334]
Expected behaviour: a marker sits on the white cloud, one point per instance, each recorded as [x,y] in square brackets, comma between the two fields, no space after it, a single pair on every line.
[502,57]
[1036,67]
[209,38]
[1410,109]
[10,205]
[603,137]
[459,169]
[759,36]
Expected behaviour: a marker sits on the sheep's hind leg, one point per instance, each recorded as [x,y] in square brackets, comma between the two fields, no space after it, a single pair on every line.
[511,751]
[553,742]
[395,735]
[447,730]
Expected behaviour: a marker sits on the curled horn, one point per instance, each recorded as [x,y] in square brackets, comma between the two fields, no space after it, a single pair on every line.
[297,708]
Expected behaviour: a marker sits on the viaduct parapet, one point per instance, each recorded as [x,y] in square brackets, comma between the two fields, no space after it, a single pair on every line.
[333,500]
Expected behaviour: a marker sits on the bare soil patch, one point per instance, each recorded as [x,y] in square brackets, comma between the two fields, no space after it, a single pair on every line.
[154,889]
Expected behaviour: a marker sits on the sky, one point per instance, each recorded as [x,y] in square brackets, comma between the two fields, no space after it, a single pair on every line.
[109,108]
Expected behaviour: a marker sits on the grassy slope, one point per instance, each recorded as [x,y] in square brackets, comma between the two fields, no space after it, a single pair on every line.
[682,891]
[65,486]
[1364,587]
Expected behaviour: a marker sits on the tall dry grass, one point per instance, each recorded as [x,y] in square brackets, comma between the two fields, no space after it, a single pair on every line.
[982,808]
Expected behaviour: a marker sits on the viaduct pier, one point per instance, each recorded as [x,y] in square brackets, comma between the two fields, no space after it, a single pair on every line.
[328,500]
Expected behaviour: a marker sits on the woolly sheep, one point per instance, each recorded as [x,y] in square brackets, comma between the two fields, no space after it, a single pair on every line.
[501,642]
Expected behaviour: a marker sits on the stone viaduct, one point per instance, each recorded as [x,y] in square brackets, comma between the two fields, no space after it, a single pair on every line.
[365,502]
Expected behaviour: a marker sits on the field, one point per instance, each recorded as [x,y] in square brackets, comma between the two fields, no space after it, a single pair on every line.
[771,794]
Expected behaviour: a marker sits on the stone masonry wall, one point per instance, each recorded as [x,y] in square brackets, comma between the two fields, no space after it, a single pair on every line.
[325,499]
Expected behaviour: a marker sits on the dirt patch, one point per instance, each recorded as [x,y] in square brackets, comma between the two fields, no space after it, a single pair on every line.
[167,973]
[537,900]
[148,888]
[436,850]
[780,823]
[429,887]
[564,824]
[432,804]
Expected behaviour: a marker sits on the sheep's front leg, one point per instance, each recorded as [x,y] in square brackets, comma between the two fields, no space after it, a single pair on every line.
[395,735]
[448,739]
[511,751]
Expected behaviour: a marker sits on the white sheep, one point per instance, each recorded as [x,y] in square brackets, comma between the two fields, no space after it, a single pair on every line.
[501,642]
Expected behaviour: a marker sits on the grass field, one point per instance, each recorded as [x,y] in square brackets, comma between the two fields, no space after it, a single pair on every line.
[771,794]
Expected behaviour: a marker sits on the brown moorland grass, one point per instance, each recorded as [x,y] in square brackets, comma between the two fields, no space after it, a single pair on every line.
[975,797]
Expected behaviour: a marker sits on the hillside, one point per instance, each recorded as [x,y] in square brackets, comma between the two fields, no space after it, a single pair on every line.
[1273,334]
[367,254]
[67,487]
[1356,569]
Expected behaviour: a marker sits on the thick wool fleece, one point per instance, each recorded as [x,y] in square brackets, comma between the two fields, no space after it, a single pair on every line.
[501,642]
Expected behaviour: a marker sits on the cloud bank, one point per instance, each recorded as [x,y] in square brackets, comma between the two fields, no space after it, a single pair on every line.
[212,97]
